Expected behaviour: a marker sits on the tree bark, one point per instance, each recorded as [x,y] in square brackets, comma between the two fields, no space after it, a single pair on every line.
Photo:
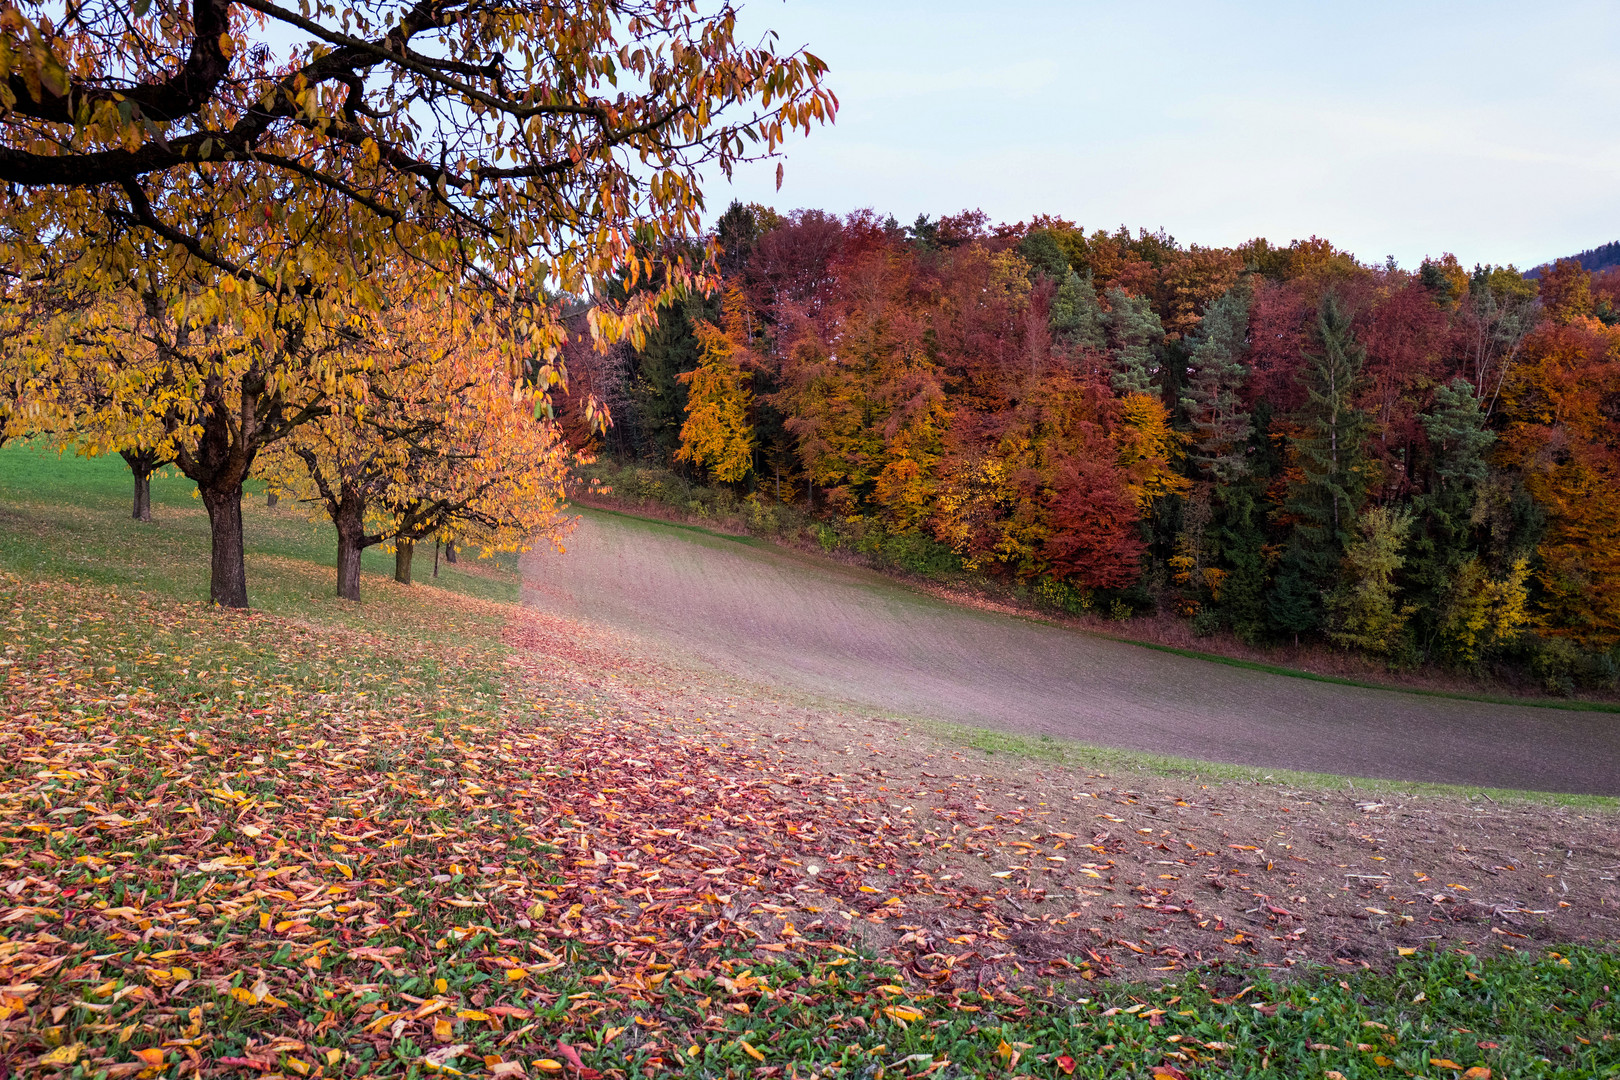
[450,554]
[272,497]
[348,568]
[143,497]
[403,550]
[142,464]
[350,522]
[227,581]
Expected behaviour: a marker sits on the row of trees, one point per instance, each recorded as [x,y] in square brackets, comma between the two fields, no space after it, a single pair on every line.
[333,246]
[1420,465]
[397,424]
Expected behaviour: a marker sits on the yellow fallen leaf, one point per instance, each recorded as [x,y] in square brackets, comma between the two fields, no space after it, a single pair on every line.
[63,1055]
[472,1014]
[442,1030]
[516,974]
[244,996]
[1478,1072]
[1406,951]
[548,1065]
[151,1055]
[1381,1061]
[252,830]
[903,1013]
[750,1051]
[440,986]
[333,1056]
[1444,1063]
[264,920]
[345,871]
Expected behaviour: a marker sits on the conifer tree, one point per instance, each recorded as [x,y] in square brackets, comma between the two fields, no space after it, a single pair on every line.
[1331,457]
[1135,333]
[1220,424]
[1332,472]
[1442,545]
[1077,318]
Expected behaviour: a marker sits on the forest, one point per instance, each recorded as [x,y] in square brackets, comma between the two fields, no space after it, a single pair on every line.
[1283,442]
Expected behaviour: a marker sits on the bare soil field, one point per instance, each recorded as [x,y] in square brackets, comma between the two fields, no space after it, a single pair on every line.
[965,866]
[830,634]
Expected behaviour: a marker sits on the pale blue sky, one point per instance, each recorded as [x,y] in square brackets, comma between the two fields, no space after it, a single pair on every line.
[1490,130]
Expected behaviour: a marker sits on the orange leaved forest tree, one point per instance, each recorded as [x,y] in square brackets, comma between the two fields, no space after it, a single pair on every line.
[434,438]
[1563,432]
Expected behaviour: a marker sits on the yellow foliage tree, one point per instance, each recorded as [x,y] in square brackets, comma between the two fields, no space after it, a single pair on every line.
[433,439]
[1483,614]
[1149,449]
[718,434]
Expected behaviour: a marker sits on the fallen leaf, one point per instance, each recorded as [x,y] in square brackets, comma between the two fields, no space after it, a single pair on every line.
[569,1055]
[67,1055]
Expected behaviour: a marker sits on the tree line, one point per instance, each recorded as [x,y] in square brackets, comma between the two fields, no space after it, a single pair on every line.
[1280,441]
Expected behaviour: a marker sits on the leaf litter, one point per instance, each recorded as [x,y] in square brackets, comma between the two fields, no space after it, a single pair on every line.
[242,843]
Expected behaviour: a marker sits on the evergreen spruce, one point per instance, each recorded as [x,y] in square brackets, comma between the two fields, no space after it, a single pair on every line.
[1077,318]
[1220,425]
[1135,333]
[1326,499]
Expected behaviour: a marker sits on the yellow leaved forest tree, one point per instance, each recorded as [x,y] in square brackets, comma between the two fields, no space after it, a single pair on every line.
[718,434]
[247,169]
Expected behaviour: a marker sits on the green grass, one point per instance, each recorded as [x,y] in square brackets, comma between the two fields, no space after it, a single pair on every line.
[1087,756]
[68,517]
[1568,705]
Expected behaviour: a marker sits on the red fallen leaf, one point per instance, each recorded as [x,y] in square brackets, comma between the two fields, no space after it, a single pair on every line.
[1155,1020]
[1066,1063]
[1488,1046]
[1169,1072]
[509,1011]
[570,1055]
[246,1063]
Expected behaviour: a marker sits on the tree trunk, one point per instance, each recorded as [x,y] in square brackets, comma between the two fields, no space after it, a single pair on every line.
[143,497]
[227,574]
[142,464]
[403,550]
[436,556]
[272,497]
[450,554]
[348,565]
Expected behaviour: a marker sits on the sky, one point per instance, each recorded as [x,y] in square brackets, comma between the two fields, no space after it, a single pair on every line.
[1487,130]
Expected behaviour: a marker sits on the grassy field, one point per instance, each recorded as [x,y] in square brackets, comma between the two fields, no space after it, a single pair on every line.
[322,839]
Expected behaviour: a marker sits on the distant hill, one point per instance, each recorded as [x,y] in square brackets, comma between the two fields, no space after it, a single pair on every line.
[1599,258]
